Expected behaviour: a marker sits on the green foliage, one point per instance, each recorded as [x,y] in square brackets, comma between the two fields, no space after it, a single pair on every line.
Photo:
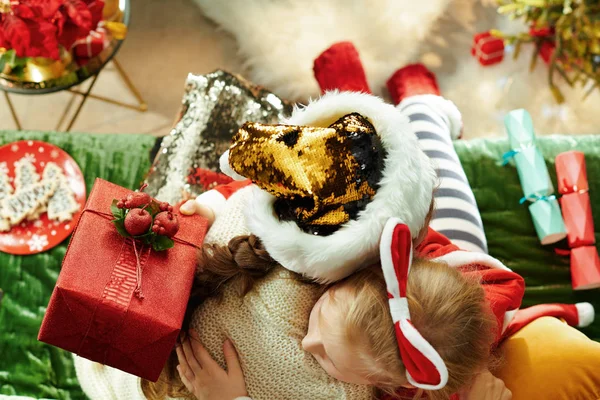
[15,64]
[568,31]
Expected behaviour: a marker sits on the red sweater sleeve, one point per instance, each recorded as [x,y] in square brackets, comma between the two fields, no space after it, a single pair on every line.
[503,289]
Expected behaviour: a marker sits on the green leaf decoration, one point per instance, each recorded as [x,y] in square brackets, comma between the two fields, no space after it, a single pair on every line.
[117,212]
[161,243]
[121,227]
[153,208]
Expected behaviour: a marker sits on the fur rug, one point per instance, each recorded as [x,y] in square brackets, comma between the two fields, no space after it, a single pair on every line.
[279,39]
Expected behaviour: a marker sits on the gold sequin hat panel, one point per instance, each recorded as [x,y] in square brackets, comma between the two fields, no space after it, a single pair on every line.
[321,177]
[404,190]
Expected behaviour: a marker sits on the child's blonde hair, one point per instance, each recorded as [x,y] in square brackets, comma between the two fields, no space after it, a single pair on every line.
[448,310]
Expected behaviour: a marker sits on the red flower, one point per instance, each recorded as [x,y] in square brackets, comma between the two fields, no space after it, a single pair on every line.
[547,50]
[541,32]
[70,31]
[79,14]
[16,34]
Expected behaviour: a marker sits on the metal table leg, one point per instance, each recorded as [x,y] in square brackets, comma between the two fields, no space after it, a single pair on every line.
[12,111]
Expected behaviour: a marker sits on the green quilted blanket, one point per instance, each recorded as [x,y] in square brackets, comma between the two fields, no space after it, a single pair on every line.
[30,368]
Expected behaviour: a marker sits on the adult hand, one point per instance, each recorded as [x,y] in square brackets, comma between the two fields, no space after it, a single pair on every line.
[486,387]
[203,377]
[192,207]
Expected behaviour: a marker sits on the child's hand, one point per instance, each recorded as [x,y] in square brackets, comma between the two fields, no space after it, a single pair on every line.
[203,377]
[192,207]
[486,387]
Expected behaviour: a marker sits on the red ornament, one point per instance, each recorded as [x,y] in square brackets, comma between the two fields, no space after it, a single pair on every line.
[137,221]
[164,206]
[541,32]
[547,50]
[93,310]
[136,199]
[487,48]
[165,223]
[412,80]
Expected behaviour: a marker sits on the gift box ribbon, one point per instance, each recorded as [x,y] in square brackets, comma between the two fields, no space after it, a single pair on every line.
[536,197]
[478,48]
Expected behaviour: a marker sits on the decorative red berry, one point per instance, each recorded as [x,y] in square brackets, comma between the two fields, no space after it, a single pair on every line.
[136,200]
[165,223]
[164,206]
[121,203]
[137,221]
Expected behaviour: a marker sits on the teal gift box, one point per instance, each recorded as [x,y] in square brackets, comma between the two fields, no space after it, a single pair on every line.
[548,221]
[519,127]
[533,172]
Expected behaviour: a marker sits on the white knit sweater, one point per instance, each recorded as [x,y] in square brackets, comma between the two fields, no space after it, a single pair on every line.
[267,327]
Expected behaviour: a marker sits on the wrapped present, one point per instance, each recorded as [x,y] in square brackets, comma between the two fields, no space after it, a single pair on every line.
[547,220]
[577,213]
[118,300]
[571,172]
[575,202]
[214,107]
[91,45]
[534,177]
[533,173]
[532,169]
[488,49]
[585,268]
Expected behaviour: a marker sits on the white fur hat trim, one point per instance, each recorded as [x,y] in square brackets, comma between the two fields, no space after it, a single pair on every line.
[405,192]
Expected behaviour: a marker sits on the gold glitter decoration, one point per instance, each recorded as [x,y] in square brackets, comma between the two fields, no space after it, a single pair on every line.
[322,176]
[214,107]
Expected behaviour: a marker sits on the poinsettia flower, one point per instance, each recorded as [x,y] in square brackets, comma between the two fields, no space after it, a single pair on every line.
[79,14]
[31,9]
[43,39]
[16,34]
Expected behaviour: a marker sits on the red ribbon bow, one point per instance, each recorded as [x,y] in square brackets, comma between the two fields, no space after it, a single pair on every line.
[425,369]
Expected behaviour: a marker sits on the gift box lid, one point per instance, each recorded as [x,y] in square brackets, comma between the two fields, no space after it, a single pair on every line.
[571,172]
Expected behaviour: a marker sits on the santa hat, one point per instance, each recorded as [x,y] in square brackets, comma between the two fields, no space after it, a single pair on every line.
[327,184]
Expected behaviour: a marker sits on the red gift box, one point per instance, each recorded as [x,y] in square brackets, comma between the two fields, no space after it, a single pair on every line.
[93,311]
[571,172]
[487,48]
[585,268]
[91,45]
[577,213]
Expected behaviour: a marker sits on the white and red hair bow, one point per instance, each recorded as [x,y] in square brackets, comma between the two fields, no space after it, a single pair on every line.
[425,369]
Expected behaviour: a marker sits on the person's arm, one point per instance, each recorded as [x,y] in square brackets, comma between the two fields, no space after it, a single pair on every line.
[210,203]
[204,378]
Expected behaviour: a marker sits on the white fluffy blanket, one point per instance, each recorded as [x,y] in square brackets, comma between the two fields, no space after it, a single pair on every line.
[279,39]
